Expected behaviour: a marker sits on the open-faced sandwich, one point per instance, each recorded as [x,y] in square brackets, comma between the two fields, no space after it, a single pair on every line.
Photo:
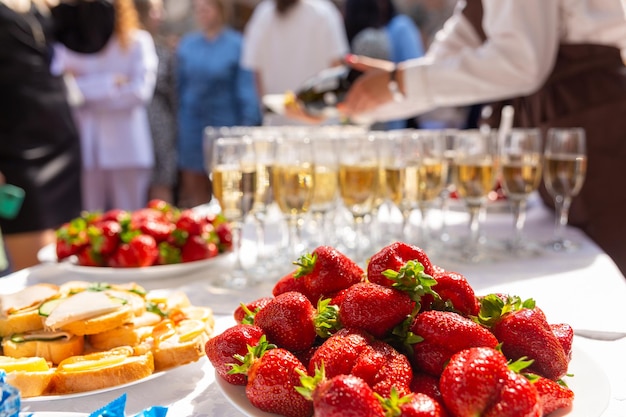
[84,336]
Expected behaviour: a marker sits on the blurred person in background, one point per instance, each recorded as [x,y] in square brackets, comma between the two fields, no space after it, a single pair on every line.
[289,41]
[559,63]
[213,90]
[115,87]
[40,147]
[162,108]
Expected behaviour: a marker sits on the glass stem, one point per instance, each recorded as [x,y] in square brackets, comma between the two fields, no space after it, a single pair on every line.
[445,207]
[475,212]
[562,204]
[519,218]
[294,237]
[358,235]
[260,236]
[424,225]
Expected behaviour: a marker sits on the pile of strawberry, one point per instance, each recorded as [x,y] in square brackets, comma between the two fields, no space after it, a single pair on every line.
[158,234]
[406,338]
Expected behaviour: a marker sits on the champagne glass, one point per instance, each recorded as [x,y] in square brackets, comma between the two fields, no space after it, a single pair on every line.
[565,166]
[400,162]
[431,176]
[234,185]
[448,189]
[474,174]
[326,187]
[358,184]
[293,185]
[520,159]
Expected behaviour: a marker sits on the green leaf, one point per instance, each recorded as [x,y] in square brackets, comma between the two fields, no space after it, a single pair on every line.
[519,365]
[254,352]
[327,319]
[306,264]
[309,383]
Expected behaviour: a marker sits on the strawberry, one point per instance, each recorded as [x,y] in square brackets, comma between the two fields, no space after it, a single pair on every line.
[455,294]
[245,312]
[220,350]
[140,251]
[443,334]
[89,257]
[523,330]
[326,271]
[225,235]
[157,227]
[412,405]
[190,222]
[196,248]
[339,352]
[394,257]
[271,384]
[478,382]
[289,283]
[565,335]
[341,395]
[71,238]
[104,236]
[384,369]
[426,384]
[374,308]
[289,320]
[552,394]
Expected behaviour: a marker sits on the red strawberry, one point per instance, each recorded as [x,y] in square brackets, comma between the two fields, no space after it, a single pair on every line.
[413,405]
[374,308]
[225,235]
[445,333]
[426,384]
[272,380]
[552,395]
[455,294]
[289,321]
[196,248]
[326,271]
[71,237]
[345,395]
[220,350]
[477,382]
[115,215]
[565,335]
[88,257]
[242,316]
[339,353]
[289,283]
[140,251]
[190,221]
[159,228]
[523,330]
[394,257]
[384,369]
[105,236]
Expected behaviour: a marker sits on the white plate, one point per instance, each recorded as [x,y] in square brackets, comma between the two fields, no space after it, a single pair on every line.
[98,391]
[275,102]
[589,383]
[48,255]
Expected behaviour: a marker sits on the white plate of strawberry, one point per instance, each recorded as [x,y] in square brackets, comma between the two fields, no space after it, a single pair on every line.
[157,241]
[404,338]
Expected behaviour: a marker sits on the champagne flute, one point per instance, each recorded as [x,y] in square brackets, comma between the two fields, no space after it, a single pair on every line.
[520,158]
[565,163]
[234,185]
[326,187]
[358,184]
[293,185]
[431,178]
[448,189]
[474,173]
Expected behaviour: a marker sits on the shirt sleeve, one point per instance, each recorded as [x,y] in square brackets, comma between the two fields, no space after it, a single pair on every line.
[515,60]
[101,90]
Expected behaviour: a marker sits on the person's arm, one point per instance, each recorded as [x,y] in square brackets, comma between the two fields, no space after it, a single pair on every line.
[123,91]
[515,60]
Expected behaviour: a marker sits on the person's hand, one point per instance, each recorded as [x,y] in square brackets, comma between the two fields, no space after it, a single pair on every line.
[294,110]
[371,89]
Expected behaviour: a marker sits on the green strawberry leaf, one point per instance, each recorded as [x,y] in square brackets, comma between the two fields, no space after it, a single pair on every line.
[391,405]
[305,264]
[519,365]
[254,353]
[308,383]
[327,319]
[412,279]
[248,318]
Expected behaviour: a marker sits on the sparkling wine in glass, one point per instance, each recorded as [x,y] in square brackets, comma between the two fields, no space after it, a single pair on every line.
[565,168]
[293,176]
[358,184]
[521,164]
[474,174]
[326,189]
[234,177]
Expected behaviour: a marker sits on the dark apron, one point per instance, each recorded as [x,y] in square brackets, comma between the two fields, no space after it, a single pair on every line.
[587,88]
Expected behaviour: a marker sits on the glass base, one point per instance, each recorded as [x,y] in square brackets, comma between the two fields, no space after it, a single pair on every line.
[562,245]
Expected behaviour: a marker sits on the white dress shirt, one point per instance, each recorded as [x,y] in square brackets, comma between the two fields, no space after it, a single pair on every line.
[518,56]
[112,117]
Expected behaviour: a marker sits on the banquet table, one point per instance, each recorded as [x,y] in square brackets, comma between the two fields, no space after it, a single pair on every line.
[583,288]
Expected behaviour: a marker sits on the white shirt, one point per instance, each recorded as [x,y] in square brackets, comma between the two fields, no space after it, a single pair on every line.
[287,50]
[112,119]
[523,40]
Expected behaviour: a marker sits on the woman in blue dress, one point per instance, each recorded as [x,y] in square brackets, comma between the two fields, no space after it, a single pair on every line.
[213,90]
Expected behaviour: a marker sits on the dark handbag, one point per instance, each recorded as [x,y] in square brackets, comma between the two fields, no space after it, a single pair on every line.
[84,26]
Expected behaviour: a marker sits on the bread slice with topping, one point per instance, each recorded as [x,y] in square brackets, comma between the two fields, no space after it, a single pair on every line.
[19,311]
[52,346]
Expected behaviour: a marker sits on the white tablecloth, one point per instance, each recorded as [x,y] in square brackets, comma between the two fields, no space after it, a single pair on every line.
[583,288]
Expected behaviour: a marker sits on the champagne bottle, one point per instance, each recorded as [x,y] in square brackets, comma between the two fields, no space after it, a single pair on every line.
[320,94]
